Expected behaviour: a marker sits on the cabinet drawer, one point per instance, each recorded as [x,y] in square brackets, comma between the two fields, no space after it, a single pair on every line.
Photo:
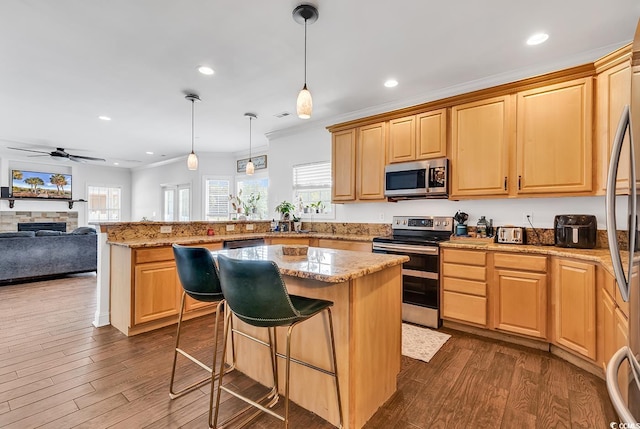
[154,254]
[464,271]
[464,286]
[467,257]
[521,262]
[463,307]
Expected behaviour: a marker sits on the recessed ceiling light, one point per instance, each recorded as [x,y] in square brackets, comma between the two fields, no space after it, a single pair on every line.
[116,163]
[104,118]
[391,83]
[206,70]
[149,153]
[537,38]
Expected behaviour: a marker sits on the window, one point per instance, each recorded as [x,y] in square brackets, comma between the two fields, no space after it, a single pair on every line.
[253,193]
[104,204]
[177,205]
[216,199]
[312,189]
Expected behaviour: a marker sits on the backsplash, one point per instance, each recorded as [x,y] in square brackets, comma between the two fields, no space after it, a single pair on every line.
[546,237]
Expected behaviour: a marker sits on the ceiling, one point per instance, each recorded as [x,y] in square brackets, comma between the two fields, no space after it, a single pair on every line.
[65,62]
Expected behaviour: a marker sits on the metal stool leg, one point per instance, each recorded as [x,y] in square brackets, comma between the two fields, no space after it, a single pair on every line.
[335,365]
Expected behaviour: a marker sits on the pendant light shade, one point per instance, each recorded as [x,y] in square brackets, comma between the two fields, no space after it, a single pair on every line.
[192,159]
[305,14]
[250,167]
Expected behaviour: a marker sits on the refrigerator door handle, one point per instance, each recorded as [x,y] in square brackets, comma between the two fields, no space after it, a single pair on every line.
[613,388]
[610,204]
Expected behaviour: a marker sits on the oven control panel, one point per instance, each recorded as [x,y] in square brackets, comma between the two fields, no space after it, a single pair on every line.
[423,223]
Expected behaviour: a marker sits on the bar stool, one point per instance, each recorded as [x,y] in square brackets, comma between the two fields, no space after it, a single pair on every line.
[199,278]
[255,292]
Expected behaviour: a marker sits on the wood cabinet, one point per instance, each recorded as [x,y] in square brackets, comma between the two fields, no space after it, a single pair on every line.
[343,165]
[613,92]
[553,134]
[358,157]
[481,136]
[417,137]
[464,286]
[519,294]
[287,240]
[146,290]
[370,161]
[361,246]
[573,306]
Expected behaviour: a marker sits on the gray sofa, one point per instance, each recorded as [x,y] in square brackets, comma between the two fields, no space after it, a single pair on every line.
[28,255]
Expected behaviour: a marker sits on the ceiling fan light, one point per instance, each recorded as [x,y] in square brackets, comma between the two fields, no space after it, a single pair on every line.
[192,161]
[304,105]
[250,168]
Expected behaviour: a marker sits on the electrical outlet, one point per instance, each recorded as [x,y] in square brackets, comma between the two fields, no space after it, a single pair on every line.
[527,218]
[231,227]
[249,227]
[165,229]
[381,216]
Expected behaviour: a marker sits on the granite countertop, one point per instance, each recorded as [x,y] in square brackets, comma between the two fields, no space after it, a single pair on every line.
[204,239]
[600,256]
[325,265]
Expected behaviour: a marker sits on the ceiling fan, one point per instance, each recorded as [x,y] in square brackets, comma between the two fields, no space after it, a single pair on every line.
[61,153]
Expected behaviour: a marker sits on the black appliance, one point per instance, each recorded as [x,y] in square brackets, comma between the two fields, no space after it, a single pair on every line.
[576,231]
[240,243]
[419,179]
[418,237]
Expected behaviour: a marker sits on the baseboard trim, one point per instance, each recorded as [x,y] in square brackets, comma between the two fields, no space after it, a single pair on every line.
[494,335]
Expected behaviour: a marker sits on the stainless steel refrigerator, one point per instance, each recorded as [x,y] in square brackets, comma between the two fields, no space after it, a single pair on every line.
[627,262]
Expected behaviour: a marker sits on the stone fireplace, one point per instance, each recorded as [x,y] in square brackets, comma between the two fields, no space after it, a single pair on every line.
[9,220]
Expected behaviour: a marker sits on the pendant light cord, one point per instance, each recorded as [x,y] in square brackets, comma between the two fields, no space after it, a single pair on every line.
[305,52]
[250,119]
[192,122]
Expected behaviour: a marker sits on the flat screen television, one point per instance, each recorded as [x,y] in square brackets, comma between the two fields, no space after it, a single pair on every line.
[38,184]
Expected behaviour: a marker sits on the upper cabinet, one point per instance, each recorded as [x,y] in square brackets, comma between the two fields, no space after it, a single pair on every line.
[480,140]
[358,158]
[553,133]
[613,92]
[417,137]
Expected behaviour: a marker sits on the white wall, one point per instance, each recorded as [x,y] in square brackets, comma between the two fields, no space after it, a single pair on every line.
[315,145]
[82,176]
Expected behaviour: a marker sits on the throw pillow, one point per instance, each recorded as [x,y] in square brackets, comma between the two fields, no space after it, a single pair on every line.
[47,233]
[83,230]
[17,234]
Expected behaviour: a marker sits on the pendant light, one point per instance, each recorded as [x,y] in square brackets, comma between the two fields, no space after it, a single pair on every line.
[250,167]
[192,159]
[305,14]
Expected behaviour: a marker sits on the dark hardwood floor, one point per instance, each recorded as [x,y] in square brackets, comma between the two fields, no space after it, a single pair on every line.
[58,371]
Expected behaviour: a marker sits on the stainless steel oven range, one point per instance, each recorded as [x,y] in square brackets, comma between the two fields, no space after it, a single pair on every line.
[418,237]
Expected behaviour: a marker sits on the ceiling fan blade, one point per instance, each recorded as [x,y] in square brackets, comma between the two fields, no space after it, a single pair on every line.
[80,158]
[28,150]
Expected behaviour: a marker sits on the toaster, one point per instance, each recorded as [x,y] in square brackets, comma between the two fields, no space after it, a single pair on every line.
[577,231]
[511,235]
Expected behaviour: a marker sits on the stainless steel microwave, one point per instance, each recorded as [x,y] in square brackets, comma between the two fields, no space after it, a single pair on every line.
[419,179]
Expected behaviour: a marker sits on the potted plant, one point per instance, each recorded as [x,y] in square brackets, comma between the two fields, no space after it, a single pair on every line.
[297,224]
[251,205]
[286,209]
[318,207]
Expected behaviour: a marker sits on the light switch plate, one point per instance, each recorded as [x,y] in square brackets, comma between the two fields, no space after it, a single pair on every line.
[231,227]
[249,227]
[165,229]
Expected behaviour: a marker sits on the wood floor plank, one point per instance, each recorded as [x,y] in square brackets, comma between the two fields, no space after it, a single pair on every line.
[38,419]
[553,411]
[80,416]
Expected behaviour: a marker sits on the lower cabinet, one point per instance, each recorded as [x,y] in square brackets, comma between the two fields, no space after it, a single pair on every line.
[286,240]
[573,298]
[519,294]
[464,286]
[361,246]
[157,291]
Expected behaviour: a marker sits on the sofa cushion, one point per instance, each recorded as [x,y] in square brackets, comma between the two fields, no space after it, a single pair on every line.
[83,230]
[17,234]
[47,233]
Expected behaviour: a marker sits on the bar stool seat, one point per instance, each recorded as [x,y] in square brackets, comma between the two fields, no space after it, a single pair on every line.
[256,294]
[199,279]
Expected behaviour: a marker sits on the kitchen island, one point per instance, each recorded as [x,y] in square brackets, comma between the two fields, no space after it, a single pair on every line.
[366,291]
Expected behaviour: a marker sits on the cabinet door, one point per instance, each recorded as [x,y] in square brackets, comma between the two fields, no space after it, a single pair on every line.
[554,138]
[520,302]
[157,291]
[612,94]
[402,139]
[287,240]
[480,140]
[607,336]
[370,163]
[360,246]
[574,315]
[431,134]
[343,165]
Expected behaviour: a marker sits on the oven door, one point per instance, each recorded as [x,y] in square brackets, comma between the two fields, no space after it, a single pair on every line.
[419,274]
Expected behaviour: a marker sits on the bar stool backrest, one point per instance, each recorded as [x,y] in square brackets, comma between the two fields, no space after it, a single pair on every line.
[255,292]
[197,272]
